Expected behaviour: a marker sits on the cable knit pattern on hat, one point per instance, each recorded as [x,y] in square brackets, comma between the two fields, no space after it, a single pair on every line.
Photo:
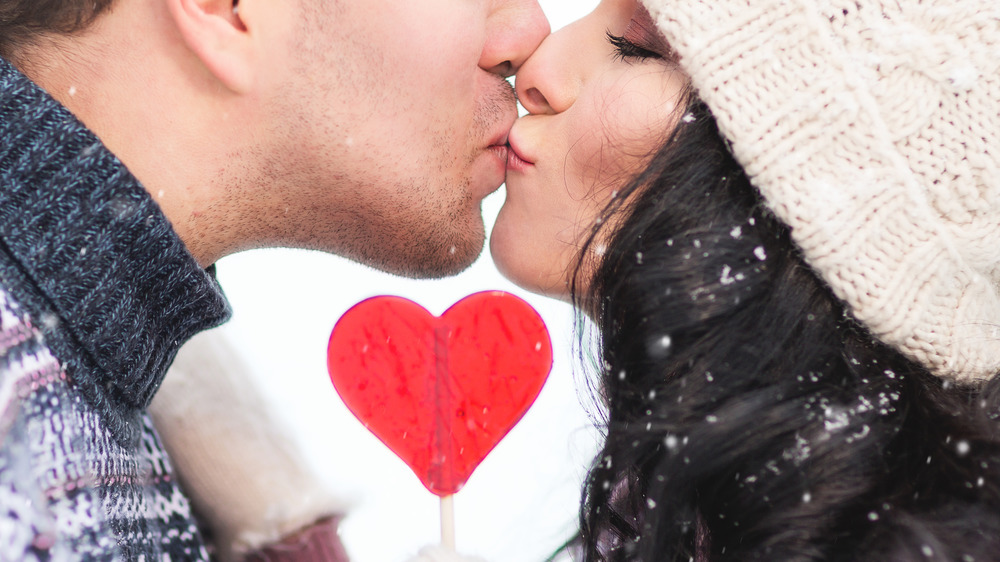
[872,129]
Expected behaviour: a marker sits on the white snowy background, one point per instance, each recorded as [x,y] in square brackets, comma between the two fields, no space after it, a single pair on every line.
[522,501]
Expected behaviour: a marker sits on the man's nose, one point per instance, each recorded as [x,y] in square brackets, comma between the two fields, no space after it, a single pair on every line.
[514,30]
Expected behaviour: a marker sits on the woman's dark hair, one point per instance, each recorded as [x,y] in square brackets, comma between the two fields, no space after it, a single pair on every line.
[748,417]
[22,20]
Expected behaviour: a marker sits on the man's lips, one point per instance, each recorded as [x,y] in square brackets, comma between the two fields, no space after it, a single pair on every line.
[502,133]
[501,151]
[500,140]
[498,144]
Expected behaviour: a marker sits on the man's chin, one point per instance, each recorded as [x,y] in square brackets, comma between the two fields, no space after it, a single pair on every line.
[423,261]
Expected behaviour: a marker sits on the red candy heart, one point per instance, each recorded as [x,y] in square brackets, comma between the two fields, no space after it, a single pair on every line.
[441,392]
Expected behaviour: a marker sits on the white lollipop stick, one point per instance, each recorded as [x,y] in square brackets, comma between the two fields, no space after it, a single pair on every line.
[448,522]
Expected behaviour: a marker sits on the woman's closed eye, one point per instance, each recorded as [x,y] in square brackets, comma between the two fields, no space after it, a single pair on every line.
[626,49]
[641,39]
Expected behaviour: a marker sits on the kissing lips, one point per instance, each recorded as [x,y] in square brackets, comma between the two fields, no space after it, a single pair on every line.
[500,150]
[492,175]
[515,161]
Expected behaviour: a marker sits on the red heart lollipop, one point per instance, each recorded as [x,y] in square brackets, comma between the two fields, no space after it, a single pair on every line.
[440,392]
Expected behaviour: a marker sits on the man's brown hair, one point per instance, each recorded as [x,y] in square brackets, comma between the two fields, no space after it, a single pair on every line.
[23,20]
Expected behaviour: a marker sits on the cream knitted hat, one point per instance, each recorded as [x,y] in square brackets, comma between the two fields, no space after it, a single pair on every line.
[872,129]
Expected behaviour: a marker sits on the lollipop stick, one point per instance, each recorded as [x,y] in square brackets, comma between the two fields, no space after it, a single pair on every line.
[448,522]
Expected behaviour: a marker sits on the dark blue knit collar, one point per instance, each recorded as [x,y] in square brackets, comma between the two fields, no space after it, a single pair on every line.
[95,249]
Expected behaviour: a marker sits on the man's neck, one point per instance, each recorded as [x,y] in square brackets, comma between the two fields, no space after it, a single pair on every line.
[127,82]
[96,266]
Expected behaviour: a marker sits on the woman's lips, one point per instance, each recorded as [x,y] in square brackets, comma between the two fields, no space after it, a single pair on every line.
[516,161]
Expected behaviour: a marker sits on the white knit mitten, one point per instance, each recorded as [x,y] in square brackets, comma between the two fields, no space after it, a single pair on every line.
[245,476]
[439,553]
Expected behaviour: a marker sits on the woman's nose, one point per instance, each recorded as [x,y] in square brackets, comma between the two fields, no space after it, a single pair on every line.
[513,30]
[549,81]
[533,100]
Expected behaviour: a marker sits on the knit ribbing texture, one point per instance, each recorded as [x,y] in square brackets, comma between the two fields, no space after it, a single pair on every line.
[97,293]
[872,129]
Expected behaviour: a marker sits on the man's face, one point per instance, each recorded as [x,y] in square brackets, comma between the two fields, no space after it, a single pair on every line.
[388,125]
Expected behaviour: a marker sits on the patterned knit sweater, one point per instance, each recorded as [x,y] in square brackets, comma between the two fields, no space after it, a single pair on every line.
[97,293]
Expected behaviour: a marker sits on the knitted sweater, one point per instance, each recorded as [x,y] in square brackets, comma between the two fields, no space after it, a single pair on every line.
[97,293]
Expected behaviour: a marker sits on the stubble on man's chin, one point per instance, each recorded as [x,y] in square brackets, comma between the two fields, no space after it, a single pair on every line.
[440,262]
[454,242]
[415,241]
[420,253]
[407,239]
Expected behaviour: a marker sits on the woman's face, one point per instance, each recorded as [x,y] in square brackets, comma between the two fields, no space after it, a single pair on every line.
[602,95]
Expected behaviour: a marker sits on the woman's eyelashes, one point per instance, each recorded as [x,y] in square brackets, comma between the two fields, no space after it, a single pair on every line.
[626,49]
